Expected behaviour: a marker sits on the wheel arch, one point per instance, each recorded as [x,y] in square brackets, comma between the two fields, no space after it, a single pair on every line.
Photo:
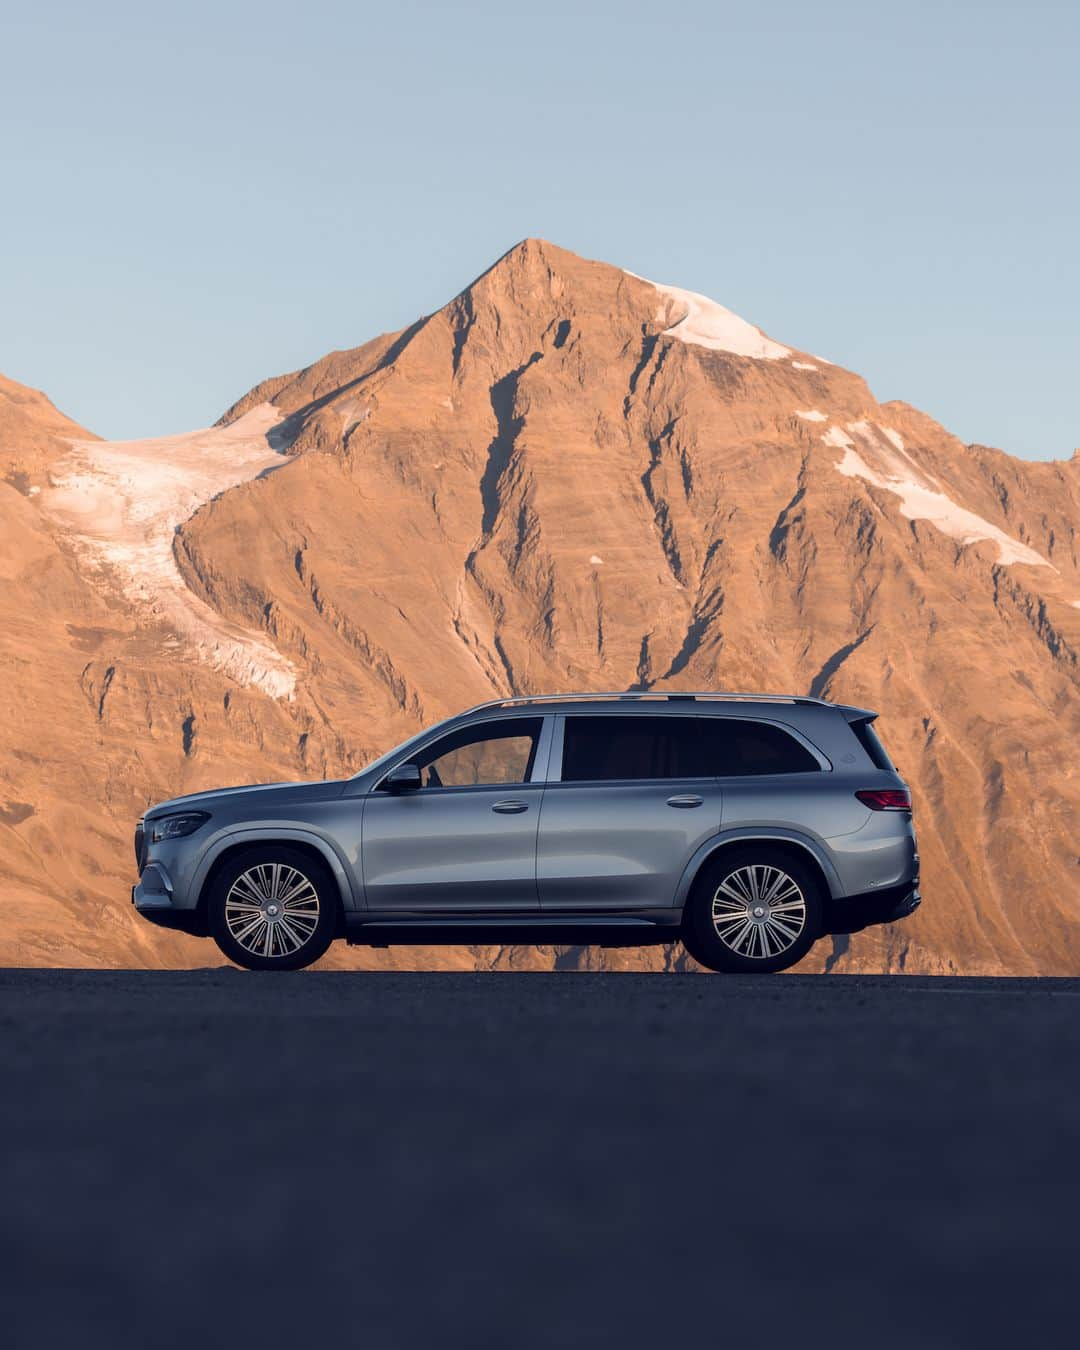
[233,846]
[798,846]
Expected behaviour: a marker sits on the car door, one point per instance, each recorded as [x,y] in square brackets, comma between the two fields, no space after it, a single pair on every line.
[629,799]
[466,838]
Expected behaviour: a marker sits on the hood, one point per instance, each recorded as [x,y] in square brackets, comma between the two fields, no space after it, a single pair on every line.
[194,801]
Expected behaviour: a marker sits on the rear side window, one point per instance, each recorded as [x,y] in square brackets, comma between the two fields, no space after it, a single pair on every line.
[633,747]
[739,746]
[871,743]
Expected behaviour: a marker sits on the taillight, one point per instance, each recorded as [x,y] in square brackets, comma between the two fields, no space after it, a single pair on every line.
[885,799]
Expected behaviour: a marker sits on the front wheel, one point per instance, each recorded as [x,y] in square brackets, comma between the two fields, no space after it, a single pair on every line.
[273,908]
[753,909]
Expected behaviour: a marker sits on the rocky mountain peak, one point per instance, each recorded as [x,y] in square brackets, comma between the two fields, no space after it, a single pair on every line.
[567,477]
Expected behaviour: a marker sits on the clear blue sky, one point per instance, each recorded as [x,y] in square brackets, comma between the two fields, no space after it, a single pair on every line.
[198,195]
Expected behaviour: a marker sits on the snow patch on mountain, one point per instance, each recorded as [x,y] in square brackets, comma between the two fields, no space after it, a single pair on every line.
[704,323]
[882,460]
[803,365]
[837,437]
[812,415]
[121,503]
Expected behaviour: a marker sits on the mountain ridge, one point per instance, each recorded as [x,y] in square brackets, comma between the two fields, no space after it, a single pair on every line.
[551,482]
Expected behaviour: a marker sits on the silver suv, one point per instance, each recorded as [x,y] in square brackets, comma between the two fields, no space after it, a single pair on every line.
[744,825]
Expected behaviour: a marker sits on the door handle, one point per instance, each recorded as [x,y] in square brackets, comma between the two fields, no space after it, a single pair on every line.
[510,807]
[685,799]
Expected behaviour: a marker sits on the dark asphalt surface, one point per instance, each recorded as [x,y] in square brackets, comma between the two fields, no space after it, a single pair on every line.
[537,1160]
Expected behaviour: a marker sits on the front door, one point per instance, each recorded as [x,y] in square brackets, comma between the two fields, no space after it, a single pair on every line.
[465,839]
[636,796]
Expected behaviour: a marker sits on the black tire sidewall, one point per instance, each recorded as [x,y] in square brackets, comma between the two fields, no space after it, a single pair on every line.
[317,873]
[700,937]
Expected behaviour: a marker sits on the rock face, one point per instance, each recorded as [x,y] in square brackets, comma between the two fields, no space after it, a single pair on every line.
[567,478]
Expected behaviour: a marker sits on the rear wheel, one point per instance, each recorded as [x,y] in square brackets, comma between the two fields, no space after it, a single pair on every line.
[274,908]
[752,909]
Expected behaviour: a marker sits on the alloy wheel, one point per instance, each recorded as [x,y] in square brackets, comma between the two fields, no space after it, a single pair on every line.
[758,911]
[272,909]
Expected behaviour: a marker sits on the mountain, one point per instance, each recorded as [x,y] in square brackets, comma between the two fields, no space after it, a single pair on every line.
[568,477]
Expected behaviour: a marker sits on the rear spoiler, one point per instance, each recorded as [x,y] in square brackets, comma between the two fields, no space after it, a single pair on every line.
[856,714]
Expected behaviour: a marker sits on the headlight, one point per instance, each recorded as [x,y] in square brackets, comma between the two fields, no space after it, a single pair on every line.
[175,827]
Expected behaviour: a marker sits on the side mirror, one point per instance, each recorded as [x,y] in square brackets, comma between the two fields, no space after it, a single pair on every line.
[405,778]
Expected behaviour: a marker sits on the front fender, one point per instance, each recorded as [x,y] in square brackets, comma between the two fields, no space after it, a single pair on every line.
[757,832]
[248,834]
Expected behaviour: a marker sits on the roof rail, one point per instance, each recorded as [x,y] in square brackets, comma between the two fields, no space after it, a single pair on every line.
[673,696]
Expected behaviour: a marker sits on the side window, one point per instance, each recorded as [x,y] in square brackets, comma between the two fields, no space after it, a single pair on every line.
[739,746]
[599,748]
[871,743]
[490,752]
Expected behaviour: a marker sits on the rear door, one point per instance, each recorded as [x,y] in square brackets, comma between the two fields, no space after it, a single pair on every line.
[629,798]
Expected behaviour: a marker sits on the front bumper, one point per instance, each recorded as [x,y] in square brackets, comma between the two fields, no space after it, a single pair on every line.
[154,889]
[152,896]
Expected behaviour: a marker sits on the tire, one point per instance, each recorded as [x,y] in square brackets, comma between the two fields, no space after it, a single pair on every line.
[721,927]
[274,908]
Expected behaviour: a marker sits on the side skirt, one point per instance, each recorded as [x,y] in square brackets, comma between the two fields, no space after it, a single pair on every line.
[635,929]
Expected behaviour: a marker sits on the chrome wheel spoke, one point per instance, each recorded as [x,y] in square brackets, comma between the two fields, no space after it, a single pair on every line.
[298,887]
[305,899]
[782,937]
[778,884]
[253,926]
[740,942]
[735,888]
[290,937]
[302,910]
[246,889]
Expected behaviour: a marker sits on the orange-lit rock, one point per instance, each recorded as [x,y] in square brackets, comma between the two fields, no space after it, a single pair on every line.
[537,488]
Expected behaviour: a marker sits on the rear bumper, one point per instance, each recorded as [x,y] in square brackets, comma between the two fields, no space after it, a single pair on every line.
[851,913]
[907,905]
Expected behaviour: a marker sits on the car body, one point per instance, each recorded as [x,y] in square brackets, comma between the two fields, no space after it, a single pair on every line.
[564,818]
